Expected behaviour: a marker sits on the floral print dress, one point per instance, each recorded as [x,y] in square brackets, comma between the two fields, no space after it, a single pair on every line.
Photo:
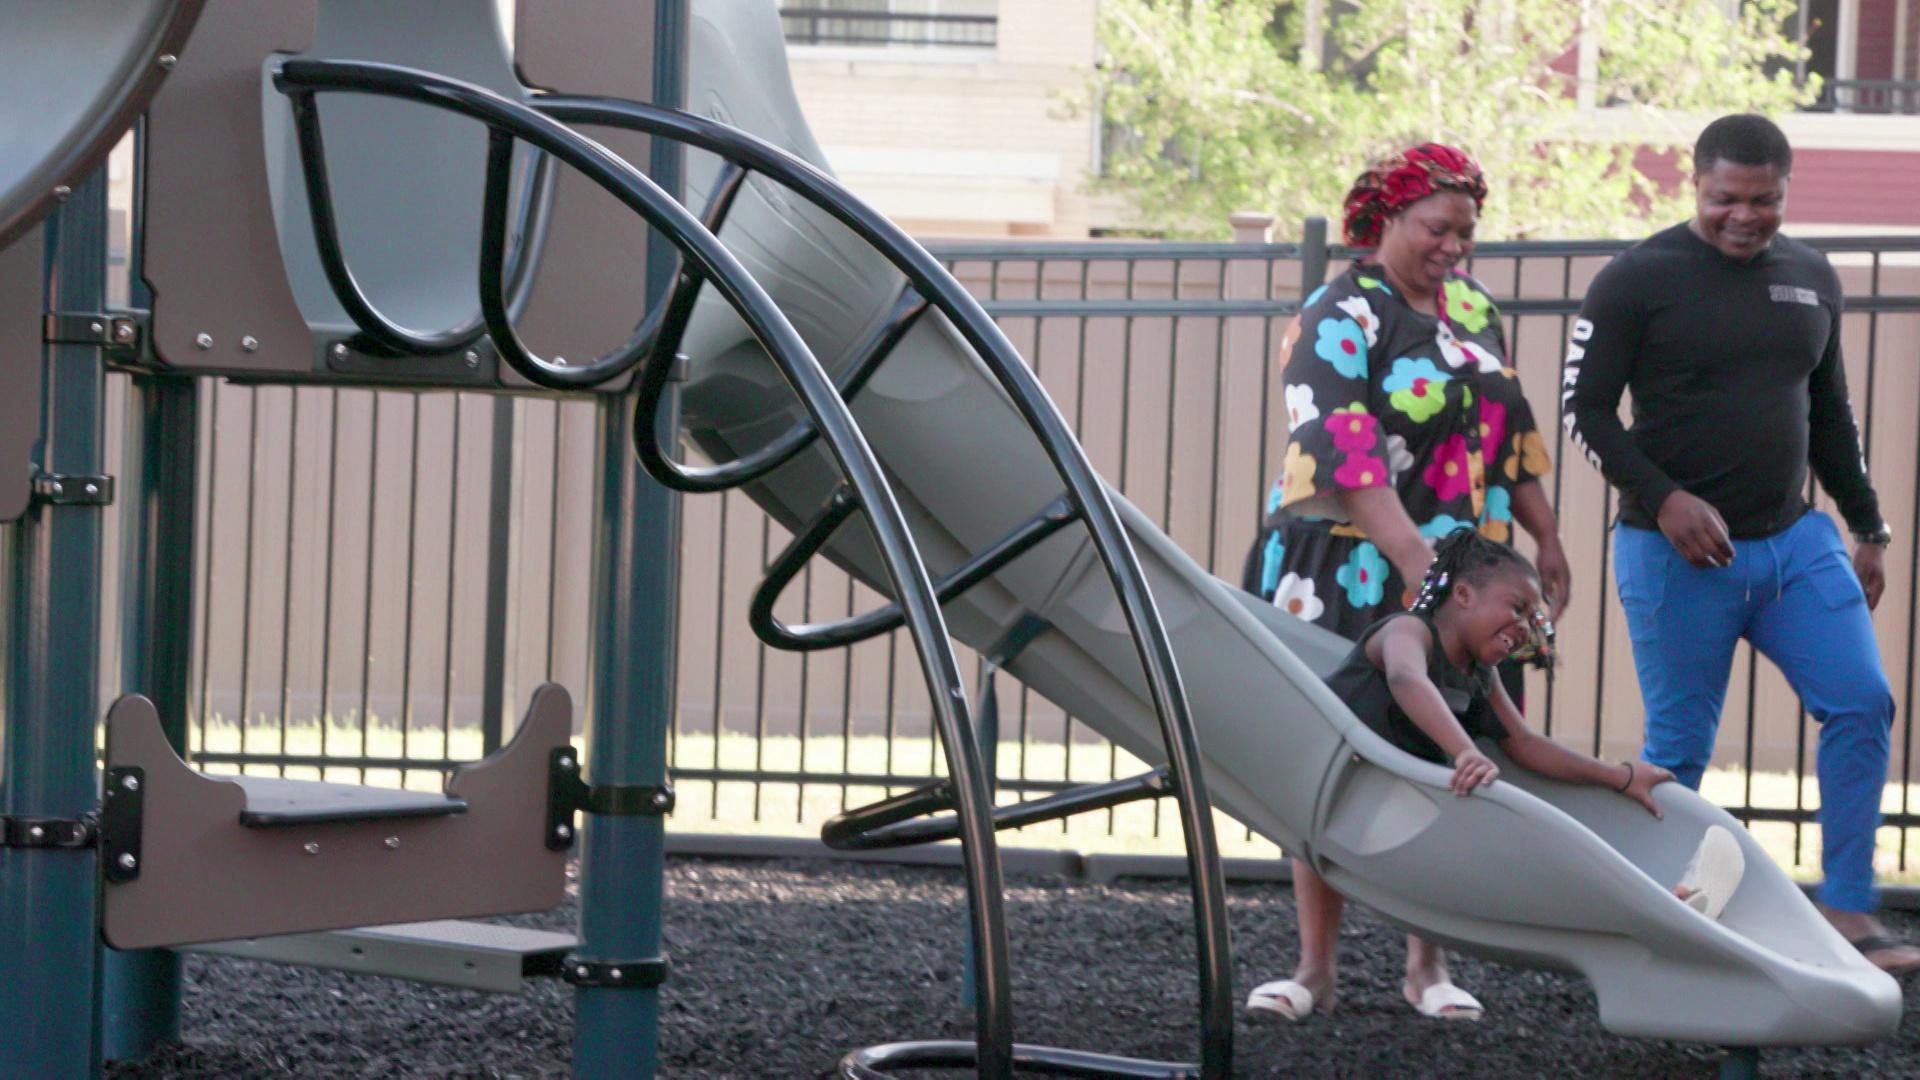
[1381,395]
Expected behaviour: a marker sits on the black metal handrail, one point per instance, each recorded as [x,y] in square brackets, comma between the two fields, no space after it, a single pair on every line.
[1083,487]
[803,26]
[384,333]
[706,260]
[901,560]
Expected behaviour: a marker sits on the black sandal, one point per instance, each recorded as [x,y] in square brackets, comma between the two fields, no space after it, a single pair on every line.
[1874,943]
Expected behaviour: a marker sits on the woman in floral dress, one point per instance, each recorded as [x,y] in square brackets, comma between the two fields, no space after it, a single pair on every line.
[1406,424]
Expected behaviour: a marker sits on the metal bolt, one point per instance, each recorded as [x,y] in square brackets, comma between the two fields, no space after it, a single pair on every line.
[203,340]
[564,832]
[97,326]
[567,762]
[613,974]
[660,799]
[130,782]
[392,842]
[123,332]
[581,971]
[472,358]
[311,847]
[127,861]
[167,60]
[559,361]
[63,192]
[36,832]
[250,343]
[57,489]
[93,489]
[339,352]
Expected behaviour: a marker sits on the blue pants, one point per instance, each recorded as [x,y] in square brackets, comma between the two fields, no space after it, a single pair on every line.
[1794,595]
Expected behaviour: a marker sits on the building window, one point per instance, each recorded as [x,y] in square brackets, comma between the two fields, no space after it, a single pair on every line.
[891,23]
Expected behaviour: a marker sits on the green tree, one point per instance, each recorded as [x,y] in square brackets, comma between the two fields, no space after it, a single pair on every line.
[1223,108]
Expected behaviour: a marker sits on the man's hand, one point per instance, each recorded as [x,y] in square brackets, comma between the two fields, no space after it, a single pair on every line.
[1556,577]
[1870,565]
[1472,769]
[1696,530]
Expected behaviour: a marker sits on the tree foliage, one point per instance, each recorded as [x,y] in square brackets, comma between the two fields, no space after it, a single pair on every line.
[1221,110]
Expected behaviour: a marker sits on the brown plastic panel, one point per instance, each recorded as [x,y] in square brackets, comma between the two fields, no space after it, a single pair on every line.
[206,877]
[591,290]
[212,257]
[21,292]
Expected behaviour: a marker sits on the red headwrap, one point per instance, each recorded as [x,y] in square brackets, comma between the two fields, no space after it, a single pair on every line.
[1404,179]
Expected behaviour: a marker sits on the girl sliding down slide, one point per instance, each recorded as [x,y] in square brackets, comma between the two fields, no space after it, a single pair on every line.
[1424,680]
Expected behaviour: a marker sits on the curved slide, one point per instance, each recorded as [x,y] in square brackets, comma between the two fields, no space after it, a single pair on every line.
[1529,871]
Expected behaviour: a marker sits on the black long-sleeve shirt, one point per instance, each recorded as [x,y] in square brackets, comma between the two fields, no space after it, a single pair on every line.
[1736,378]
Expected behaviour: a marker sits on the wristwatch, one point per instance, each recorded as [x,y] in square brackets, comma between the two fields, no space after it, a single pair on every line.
[1881,535]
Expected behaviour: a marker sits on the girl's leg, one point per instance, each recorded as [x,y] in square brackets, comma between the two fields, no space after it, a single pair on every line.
[1426,968]
[1319,909]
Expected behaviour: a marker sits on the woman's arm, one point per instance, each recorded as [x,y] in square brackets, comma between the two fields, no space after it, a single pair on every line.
[1400,650]
[1378,512]
[1534,512]
[1535,752]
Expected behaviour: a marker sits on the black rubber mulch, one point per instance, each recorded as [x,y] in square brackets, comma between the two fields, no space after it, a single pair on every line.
[781,968]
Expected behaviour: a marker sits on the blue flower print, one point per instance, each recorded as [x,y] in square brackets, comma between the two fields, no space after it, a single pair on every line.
[1343,344]
[1440,526]
[1274,495]
[1364,576]
[1499,505]
[1270,563]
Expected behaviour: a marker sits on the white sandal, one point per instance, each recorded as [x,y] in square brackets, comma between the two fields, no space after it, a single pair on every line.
[1445,1001]
[1288,1000]
[1714,872]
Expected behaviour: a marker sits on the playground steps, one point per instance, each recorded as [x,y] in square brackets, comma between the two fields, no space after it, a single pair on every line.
[446,952]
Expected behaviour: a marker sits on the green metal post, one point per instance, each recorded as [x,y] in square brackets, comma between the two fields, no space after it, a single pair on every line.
[636,586]
[49,972]
[142,989]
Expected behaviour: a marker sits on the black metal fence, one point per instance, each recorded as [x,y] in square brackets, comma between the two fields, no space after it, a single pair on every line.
[385,576]
[1896,96]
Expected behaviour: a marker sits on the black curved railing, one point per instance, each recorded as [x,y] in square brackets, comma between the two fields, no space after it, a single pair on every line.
[653,348]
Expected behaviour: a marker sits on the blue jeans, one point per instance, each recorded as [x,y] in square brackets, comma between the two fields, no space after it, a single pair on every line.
[1794,595]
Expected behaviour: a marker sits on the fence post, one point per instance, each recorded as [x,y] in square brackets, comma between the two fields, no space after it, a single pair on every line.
[1246,341]
[1313,255]
[493,665]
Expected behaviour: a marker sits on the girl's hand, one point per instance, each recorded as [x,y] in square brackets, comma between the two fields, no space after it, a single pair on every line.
[1640,787]
[1472,769]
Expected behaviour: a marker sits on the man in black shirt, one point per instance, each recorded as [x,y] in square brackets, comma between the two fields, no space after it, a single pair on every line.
[1728,336]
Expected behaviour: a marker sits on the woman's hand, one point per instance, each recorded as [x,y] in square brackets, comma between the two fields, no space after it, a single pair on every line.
[1641,784]
[1472,769]
[1556,576]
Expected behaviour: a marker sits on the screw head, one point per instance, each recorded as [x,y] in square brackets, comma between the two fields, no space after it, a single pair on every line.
[392,843]
[57,488]
[564,832]
[166,60]
[203,340]
[614,974]
[123,332]
[62,192]
[93,489]
[250,343]
[311,847]
[97,326]
[472,358]
[339,352]
[661,799]
[559,361]
[567,762]
[582,971]
[127,861]
[130,782]
[36,832]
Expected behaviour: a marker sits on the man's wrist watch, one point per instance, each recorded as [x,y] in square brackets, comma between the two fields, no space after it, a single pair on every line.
[1881,535]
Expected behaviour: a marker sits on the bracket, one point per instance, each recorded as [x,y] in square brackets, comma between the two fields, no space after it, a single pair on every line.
[120,332]
[39,832]
[121,812]
[567,795]
[65,489]
[616,974]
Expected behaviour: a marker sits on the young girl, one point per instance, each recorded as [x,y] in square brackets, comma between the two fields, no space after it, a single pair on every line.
[1424,680]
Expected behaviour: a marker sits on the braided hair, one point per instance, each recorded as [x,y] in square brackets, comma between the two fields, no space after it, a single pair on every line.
[1465,555]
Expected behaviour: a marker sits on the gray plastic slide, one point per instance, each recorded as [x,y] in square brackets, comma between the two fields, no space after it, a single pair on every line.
[1528,871]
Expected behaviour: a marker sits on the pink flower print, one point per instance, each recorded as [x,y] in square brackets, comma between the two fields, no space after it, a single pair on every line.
[1447,474]
[1362,471]
[1352,429]
[1493,423]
